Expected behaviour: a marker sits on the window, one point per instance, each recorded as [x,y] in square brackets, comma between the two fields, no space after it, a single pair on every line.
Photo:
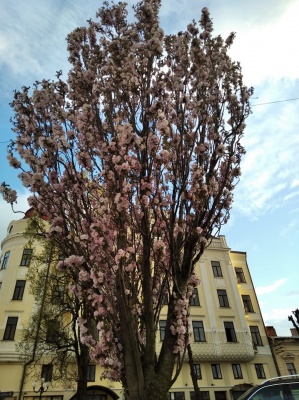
[165,300]
[222,296]
[176,395]
[260,373]
[272,392]
[49,397]
[237,371]
[26,257]
[291,368]
[162,324]
[197,371]
[10,329]
[216,268]
[247,303]
[230,332]
[220,395]
[256,337]
[294,389]
[194,300]
[91,373]
[52,335]
[204,395]
[5,260]
[47,371]
[216,371]
[19,290]
[198,331]
[240,275]
[58,294]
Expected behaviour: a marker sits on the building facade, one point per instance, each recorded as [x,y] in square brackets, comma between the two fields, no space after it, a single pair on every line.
[230,347]
[285,350]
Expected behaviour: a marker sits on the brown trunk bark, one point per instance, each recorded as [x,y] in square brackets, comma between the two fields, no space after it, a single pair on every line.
[83,362]
[155,389]
[192,372]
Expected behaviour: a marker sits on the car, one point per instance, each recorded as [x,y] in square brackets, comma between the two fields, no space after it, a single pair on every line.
[279,388]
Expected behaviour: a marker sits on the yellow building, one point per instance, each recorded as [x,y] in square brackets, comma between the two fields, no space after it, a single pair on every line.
[285,350]
[230,347]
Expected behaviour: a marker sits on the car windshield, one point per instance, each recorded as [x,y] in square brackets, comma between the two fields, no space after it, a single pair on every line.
[247,394]
[273,391]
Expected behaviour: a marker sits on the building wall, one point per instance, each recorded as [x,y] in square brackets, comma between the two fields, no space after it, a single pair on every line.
[217,348]
[285,350]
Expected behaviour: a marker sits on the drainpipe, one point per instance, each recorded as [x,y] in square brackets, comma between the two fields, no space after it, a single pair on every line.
[271,341]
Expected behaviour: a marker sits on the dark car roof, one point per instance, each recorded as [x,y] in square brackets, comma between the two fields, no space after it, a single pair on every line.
[279,380]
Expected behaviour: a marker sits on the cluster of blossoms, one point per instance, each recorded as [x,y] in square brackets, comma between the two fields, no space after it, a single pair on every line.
[179,328]
[9,195]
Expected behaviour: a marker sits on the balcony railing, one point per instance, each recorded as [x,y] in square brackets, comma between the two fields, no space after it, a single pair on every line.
[217,348]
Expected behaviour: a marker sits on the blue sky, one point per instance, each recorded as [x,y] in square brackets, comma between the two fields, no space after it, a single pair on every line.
[265,217]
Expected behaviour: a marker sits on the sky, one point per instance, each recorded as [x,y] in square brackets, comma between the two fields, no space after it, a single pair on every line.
[265,215]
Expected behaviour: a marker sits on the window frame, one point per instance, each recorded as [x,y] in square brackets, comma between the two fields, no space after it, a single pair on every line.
[162,329]
[5,259]
[216,371]
[198,331]
[47,372]
[204,395]
[197,371]
[223,298]
[240,275]
[260,372]
[255,335]
[165,300]
[53,330]
[194,299]
[247,303]
[19,290]
[26,257]
[58,294]
[91,373]
[230,331]
[292,370]
[179,395]
[216,268]
[237,371]
[10,328]
[48,397]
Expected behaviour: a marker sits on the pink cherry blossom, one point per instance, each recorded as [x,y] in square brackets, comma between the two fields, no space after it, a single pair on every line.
[133,161]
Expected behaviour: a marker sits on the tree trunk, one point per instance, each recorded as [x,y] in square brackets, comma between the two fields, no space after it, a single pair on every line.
[155,389]
[83,362]
[192,372]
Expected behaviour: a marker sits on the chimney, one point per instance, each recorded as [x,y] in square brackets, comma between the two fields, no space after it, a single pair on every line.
[270,331]
[294,332]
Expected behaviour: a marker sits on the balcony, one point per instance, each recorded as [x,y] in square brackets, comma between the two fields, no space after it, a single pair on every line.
[216,348]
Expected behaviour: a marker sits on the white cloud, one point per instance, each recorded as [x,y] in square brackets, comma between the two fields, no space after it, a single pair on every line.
[289,228]
[270,288]
[278,318]
[291,195]
[32,42]
[261,48]
[277,314]
[270,168]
